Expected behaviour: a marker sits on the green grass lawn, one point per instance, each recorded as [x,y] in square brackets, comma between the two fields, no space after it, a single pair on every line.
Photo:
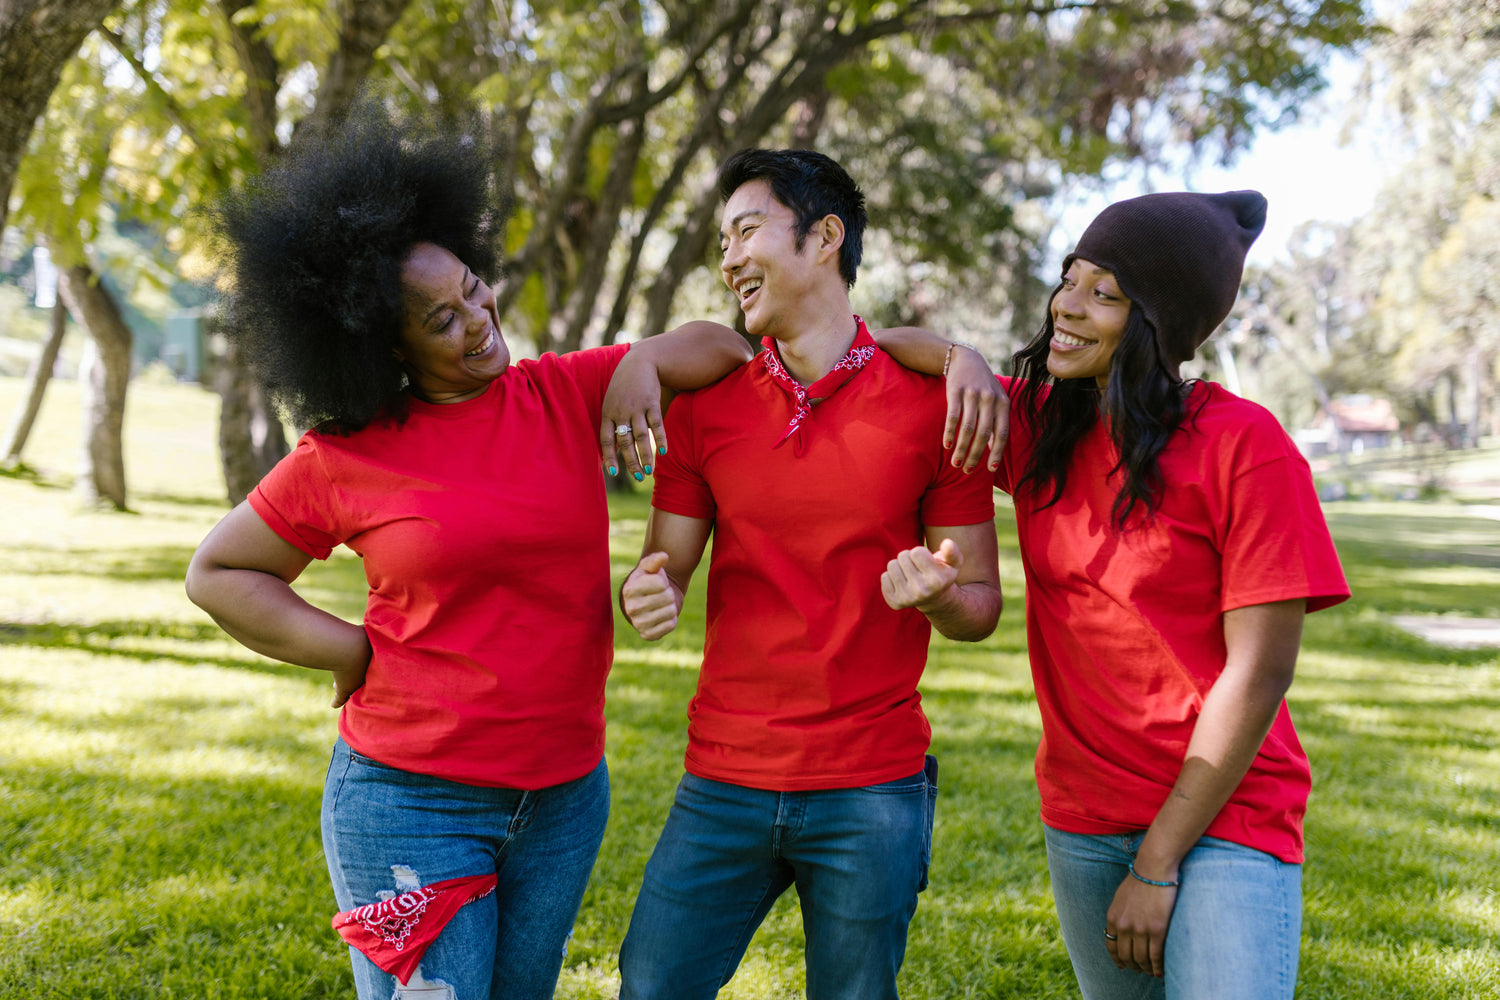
[160,784]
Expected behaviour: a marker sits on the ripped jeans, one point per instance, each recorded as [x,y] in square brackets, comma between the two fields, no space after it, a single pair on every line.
[386,831]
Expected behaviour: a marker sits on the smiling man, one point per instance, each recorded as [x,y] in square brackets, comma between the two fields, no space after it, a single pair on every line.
[842,536]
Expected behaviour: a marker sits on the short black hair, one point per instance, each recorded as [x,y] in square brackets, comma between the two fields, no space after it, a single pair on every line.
[812,185]
[313,249]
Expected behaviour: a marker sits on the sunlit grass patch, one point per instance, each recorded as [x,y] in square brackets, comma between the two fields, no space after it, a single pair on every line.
[160,783]
[156,829]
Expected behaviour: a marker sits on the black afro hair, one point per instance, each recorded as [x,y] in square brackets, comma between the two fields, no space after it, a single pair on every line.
[313,249]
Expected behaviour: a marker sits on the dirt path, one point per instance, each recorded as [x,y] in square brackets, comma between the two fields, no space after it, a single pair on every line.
[1463,633]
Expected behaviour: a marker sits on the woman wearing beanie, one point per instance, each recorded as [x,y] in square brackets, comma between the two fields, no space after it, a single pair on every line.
[1172,543]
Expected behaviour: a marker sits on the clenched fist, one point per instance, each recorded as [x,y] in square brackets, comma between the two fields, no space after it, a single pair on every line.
[918,577]
[650,602]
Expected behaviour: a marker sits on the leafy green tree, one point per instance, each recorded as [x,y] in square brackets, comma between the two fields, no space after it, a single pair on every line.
[961,118]
[37,38]
[62,197]
[1459,288]
[170,102]
[1403,301]
[1424,256]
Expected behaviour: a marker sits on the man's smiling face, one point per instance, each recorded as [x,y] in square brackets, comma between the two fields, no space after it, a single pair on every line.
[762,263]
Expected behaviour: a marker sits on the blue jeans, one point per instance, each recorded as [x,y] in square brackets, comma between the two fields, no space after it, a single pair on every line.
[858,857]
[1235,932]
[381,823]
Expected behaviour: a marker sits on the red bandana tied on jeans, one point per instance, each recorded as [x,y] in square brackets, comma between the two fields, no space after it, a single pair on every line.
[860,353]
[395,932]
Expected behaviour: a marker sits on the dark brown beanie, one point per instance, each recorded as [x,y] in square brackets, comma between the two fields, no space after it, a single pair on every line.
[1178,255]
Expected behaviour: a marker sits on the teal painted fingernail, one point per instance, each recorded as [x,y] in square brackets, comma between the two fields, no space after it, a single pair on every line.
[640,478]
[613,471]
[662,450]
[648,470]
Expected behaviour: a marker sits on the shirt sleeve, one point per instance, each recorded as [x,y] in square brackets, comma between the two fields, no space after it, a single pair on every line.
[955,497]
[1275,543]
[1009,472]
[591,370]
[680,487]
[296,500]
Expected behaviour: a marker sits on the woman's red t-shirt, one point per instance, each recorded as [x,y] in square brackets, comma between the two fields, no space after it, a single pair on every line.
[1125,631]
[484,534]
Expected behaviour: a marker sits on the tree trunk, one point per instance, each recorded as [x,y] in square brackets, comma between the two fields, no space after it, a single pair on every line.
[363,27]
[37,38]
[37,377]
[1476,377]
[104,377]
[1455,423]
[606,223]
[251,440]
[262,76]
[236,447]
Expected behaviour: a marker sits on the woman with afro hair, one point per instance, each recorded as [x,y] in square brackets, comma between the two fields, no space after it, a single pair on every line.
[467,794]
[1172,543]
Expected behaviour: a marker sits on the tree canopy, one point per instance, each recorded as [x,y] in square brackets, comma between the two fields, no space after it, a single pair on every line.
[961,120]
[1403,301]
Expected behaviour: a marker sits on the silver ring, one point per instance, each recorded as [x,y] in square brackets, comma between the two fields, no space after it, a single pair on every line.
[622,429]
[1110,937]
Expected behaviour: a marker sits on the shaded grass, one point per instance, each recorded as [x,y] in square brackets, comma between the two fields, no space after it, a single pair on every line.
[160,783]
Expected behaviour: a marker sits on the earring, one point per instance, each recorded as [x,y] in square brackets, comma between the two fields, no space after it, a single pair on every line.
[404,380]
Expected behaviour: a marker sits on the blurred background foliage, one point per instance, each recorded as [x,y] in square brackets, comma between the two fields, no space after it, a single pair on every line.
[1401,302]
[964,121]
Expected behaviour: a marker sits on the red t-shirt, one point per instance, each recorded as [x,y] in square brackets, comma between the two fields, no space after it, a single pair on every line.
[809,679]
[485,539]
[1125,631]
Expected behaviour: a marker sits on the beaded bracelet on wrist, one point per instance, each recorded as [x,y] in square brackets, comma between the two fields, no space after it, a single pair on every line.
[1151,881]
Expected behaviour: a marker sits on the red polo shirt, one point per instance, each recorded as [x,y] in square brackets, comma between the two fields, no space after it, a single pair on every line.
[809,679]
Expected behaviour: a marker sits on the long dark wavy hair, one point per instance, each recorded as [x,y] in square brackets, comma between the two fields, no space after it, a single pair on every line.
[1142,405]
[313,249]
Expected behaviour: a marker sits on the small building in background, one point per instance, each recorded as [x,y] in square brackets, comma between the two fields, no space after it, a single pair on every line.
[1351,425]
[182,344]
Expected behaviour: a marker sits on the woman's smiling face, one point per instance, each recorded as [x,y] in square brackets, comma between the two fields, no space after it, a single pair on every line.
[450,342]
[1088,319]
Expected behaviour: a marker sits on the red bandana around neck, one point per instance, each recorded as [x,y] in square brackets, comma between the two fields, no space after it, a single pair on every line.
[860,353]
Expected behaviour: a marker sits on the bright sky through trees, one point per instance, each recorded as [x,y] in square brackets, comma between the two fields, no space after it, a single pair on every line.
[1326,167]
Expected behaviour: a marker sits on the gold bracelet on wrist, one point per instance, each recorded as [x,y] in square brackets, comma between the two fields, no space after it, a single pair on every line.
[948,358]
